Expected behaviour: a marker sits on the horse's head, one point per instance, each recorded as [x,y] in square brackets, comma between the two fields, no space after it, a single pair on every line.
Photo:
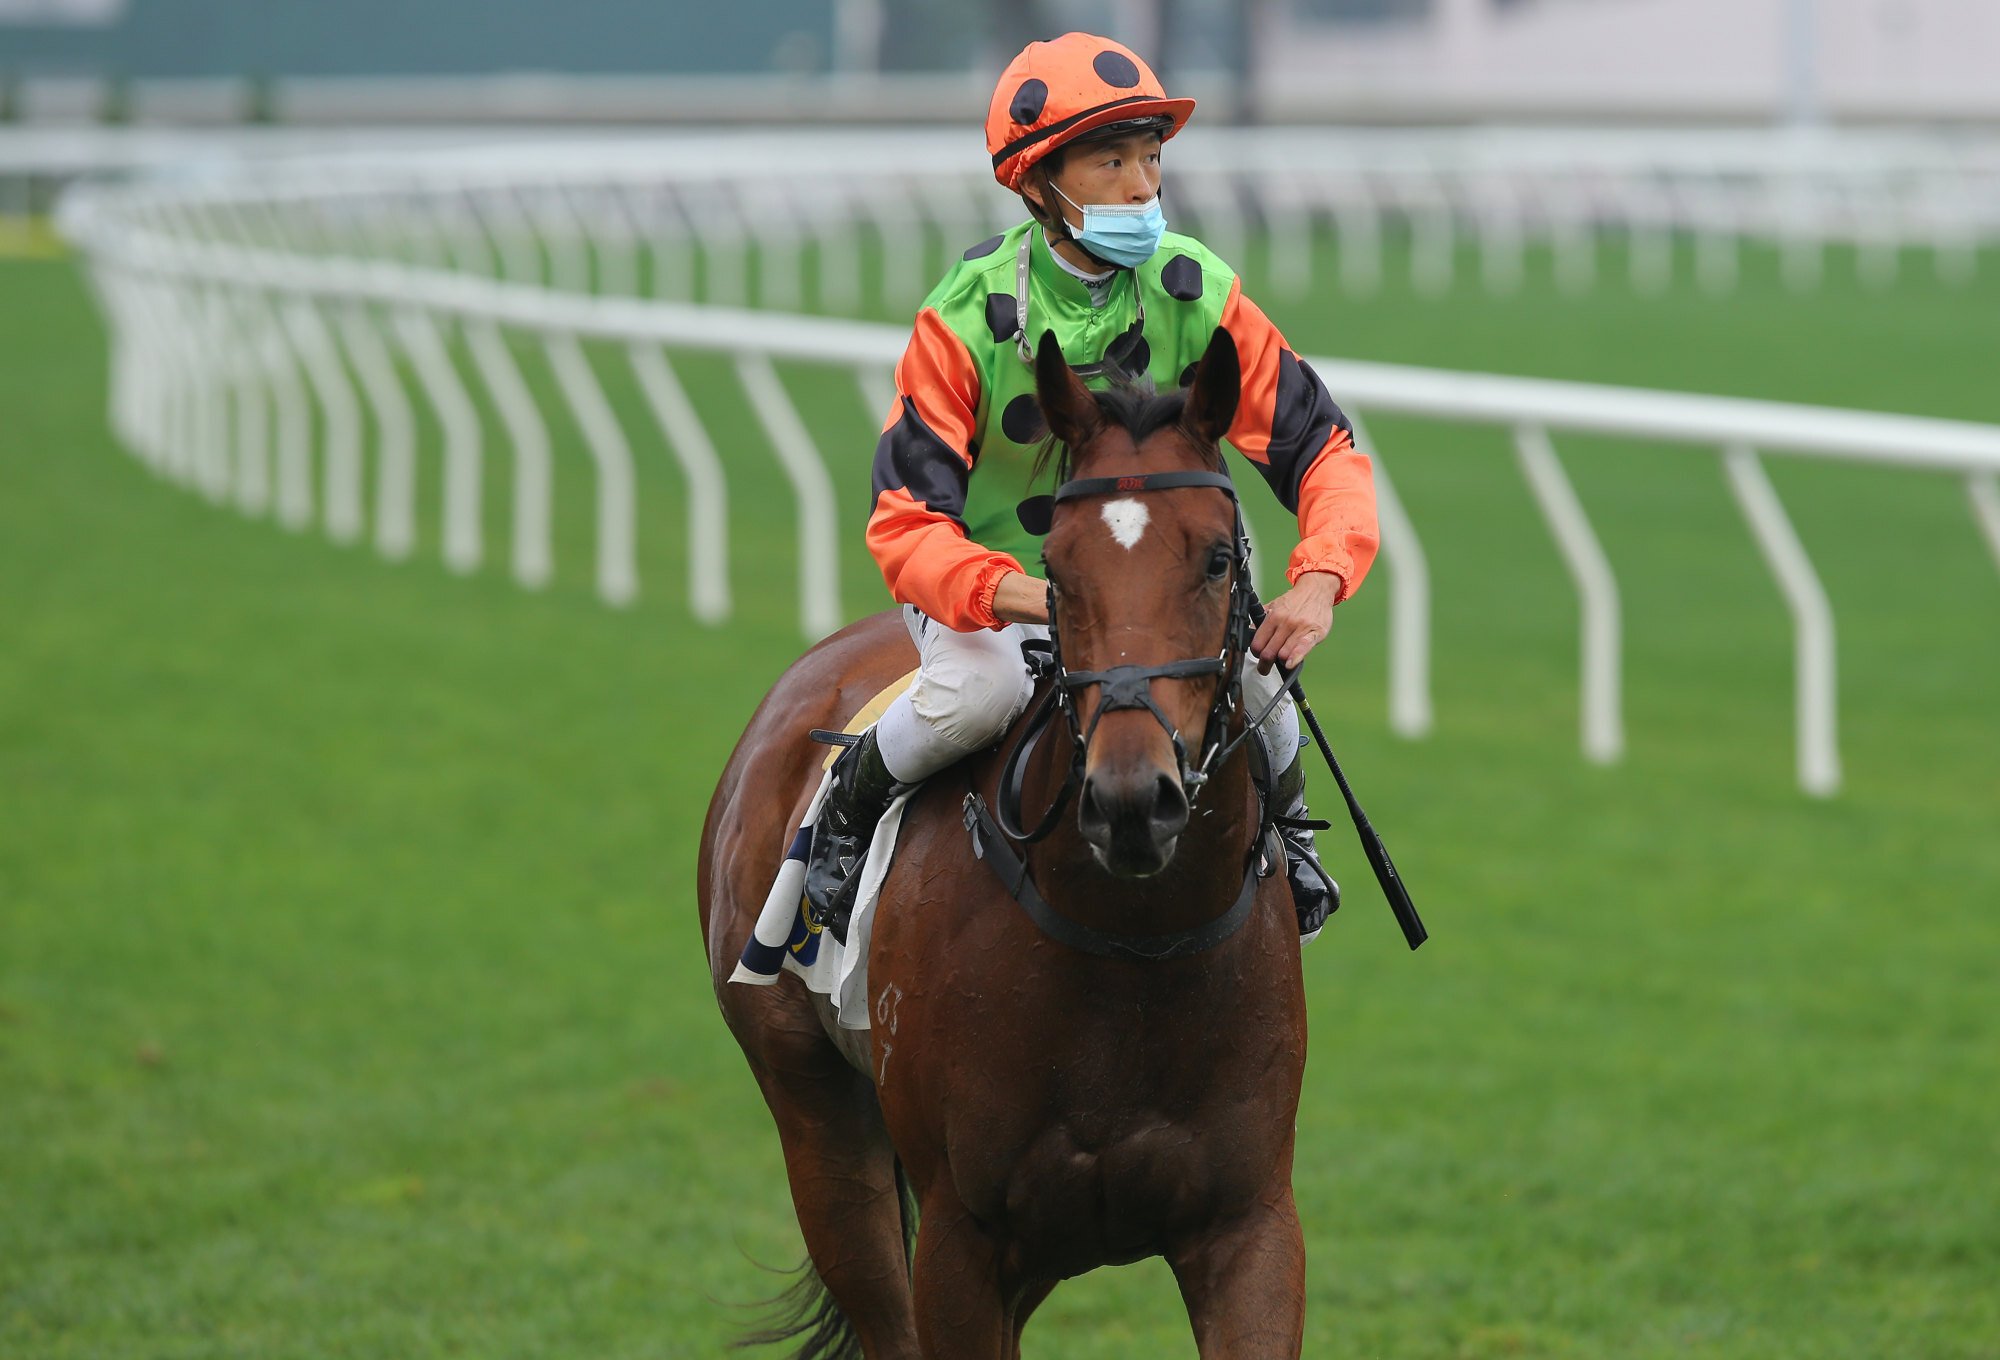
[1141,580]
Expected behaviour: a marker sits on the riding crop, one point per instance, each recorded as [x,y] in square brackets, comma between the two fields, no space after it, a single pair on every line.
[1371,840]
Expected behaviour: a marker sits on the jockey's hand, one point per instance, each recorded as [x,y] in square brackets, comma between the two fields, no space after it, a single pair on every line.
[1021,598]
[1296,622]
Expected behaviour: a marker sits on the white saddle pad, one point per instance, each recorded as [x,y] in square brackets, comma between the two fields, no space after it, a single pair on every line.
[785,941]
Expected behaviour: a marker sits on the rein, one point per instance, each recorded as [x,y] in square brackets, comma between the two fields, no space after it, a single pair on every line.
[994,833]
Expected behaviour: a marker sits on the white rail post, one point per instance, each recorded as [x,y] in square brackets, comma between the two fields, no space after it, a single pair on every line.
[1812,619]
[1574,241]
[253,413]
[1803,251]
[1288,236]
[162,447]
[616,240]
[819,548]
[212,340]
[708,489]
[878,390]
[1223,228]
[340,481]
[1410,713]
[780,268]
[671,247]
[895,215]
[719,228]
[1434,247]
[294,444]
[1357,220]
[562,235]
[119,394]
[526,431]
[515,244]
[617,508]
[1502,248]
[839,262]
[1878,240]
[438,376]
[1649,241]
[147,404]
[1984,489]
[154,412]
[396,426]
[1603,725]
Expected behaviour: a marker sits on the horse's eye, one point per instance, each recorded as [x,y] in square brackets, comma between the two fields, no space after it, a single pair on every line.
[1218,563]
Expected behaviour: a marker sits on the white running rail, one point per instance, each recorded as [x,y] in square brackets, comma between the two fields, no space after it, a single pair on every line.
[258,323]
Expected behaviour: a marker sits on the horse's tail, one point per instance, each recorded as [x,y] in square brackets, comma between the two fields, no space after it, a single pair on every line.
[804,1311]
[906,1204]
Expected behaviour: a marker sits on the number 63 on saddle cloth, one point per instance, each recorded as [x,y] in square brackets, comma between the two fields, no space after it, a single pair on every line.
[785,940]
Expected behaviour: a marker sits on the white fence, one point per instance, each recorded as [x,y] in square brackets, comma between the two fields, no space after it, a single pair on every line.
[264,328]
[636,214]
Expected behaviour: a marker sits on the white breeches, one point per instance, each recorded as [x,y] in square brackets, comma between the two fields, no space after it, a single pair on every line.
[970,687]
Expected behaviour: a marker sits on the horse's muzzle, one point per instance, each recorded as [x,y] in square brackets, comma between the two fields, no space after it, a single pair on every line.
[1132,819]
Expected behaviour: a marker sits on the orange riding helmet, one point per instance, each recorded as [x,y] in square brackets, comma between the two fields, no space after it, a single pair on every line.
[1056,92]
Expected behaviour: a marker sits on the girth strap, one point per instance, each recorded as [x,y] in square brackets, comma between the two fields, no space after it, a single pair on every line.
[1012,870]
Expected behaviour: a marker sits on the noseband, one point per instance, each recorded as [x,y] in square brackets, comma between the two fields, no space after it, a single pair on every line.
[1129,687]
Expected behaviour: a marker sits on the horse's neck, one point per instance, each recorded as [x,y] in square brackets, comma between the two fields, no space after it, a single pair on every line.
[1201,881]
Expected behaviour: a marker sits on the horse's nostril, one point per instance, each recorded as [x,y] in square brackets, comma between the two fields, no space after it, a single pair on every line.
[1090,811]
[1170,806]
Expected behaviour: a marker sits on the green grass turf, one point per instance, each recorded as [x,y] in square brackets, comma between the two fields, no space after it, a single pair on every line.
[351,1001]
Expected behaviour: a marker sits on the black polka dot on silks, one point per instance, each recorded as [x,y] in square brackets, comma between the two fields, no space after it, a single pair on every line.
[1028,101]
[1187,374]
[1135,358]
[985,247]
[1022,420]
[1181,277]
[1003,317]
[1115,69]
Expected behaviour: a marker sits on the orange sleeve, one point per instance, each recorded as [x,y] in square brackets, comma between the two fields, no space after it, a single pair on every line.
[916,529]
[1288,425]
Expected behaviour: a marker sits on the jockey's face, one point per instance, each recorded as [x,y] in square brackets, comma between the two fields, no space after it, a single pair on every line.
[1124,170]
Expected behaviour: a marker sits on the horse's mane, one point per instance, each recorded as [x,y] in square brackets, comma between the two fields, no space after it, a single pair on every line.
[1136,408]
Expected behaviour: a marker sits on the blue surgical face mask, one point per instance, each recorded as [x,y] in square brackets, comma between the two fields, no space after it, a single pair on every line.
[1123,233]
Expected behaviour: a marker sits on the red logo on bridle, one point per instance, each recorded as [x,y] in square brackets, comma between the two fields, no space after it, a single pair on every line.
[1131,483]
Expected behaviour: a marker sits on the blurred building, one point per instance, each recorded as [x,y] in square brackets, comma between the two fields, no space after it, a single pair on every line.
[1376,60]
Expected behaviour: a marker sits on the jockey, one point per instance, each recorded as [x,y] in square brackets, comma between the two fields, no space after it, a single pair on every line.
[1075,128]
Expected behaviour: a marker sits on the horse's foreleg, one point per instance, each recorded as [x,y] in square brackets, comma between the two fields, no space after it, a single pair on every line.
[1245,1285]
[962,1311]
[842,1172]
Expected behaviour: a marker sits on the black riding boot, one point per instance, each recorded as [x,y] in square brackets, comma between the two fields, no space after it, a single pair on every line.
[861,792]
[1315,896]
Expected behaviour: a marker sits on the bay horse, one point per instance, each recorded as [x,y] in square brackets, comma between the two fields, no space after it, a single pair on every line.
[1111,1074]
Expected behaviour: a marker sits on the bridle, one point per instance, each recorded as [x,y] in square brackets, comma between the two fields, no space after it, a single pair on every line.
[1130,687]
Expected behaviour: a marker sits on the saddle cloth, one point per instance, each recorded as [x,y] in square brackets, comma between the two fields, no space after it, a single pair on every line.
[784,940]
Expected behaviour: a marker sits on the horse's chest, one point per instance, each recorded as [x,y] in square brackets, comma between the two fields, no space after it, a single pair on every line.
[1107,1146]
[1074,1193]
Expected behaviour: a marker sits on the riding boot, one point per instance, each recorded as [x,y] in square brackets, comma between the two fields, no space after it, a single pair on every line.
[1315,896]
[861,792]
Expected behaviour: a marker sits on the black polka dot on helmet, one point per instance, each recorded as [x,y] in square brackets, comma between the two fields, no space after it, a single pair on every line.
[1028,101]
[1115,69]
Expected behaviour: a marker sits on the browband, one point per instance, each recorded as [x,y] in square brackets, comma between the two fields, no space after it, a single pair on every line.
[1036,512]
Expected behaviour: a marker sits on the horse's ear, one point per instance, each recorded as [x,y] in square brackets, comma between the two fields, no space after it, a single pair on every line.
[1217,387]
[1066,403]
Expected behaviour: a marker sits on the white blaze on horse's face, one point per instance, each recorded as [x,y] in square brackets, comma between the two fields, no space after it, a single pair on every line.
[1126,520]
